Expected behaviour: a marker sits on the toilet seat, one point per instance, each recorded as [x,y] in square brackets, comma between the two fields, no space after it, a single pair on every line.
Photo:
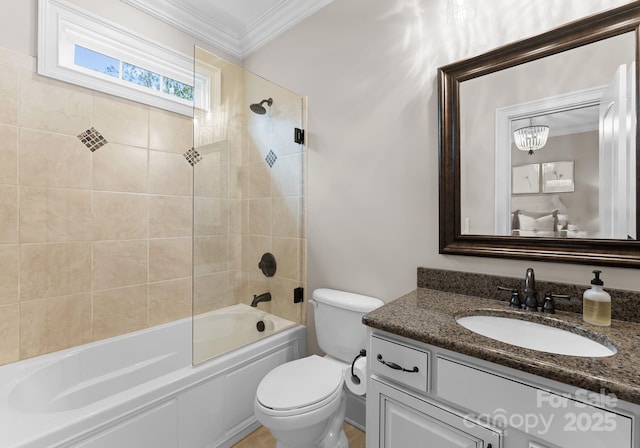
[300,386]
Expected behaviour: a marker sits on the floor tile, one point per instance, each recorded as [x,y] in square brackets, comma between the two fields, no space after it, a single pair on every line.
[262,438]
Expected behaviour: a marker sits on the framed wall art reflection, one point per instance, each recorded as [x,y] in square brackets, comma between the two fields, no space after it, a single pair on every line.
[558,177]
[525,179]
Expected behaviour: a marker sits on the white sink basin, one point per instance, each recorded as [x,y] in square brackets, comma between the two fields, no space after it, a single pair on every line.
[535,336]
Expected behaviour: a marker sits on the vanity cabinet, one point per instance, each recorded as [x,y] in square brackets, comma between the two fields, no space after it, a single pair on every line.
[408,421]
[424,396]
[405,414]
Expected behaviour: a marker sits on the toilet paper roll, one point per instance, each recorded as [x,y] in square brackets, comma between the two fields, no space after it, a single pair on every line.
[360,369]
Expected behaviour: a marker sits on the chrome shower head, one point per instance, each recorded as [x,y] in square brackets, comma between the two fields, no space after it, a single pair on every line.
[259,109]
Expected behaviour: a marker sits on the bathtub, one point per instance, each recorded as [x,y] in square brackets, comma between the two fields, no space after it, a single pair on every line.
[140,390]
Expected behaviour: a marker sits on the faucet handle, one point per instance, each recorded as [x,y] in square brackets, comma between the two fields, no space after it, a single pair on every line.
[549,305]
[560,296]
[515,301]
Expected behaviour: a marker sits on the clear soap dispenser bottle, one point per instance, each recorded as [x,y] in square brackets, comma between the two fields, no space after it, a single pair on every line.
[596,303]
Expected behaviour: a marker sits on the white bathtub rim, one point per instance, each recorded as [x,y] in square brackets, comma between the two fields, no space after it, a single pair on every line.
[27,429]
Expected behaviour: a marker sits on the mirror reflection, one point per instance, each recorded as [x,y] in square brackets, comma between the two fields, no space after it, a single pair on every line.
[547,148]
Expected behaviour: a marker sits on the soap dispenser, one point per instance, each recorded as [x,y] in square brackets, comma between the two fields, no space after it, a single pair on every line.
[596,303]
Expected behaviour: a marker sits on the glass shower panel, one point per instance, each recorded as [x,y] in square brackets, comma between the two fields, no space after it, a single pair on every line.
[248,208]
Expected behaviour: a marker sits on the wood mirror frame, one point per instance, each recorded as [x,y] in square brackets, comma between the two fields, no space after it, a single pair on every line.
[621,253]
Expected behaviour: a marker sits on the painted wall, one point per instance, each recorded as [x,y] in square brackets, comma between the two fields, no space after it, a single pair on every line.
[369,70]
[19,25]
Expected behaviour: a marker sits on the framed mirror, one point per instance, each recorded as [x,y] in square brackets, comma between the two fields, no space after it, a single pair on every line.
[538,146]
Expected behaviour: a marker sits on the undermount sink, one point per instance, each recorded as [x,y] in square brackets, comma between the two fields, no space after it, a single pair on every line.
[536,336]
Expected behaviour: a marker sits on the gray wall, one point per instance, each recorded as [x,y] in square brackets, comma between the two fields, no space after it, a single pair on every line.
[369,70]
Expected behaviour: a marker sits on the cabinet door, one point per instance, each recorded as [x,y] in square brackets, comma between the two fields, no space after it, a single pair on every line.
[407,427]
[408,421]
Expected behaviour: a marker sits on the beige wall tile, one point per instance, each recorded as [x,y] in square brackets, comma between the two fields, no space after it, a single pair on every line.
[257,284]
[119,311]
[285,214]
[288,253]
[287,176]
[283,136]
[9,95]
[9,274]
[170,216]
[67,109]
[235,215]
[120,168]
[119,263]
[253,247]
[54,215]
[211,292]
[211,177]
[238,185]
[9,333]
[258,139]
[53,324]
[259,180]
[169,131]
[170,174]
[8,214]
[211,216]
[260,216]
[282,299]
[15,59]
[54,269]
[238,285]
[210,254]
[119,216]
[169,259]
[53,160]
[169,301]
[121,121]
[8,153]
[235,252]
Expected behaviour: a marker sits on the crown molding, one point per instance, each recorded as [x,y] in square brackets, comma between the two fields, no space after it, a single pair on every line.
[269,25]
[276,21]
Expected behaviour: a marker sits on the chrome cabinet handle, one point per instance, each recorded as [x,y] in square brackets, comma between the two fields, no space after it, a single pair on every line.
[395,366]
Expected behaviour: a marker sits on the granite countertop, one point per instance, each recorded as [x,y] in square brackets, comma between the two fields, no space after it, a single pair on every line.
[428,316]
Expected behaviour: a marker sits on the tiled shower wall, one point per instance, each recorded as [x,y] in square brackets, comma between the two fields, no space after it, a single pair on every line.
[274,198]
[262,204]
[92,244]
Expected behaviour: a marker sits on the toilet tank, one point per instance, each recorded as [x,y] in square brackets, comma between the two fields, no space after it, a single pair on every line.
[338,319]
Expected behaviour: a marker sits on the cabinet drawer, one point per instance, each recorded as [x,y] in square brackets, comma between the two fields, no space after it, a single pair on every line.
[548,416]
[401,363]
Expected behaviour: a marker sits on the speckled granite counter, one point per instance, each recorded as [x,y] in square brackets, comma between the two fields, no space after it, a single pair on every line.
[428,316]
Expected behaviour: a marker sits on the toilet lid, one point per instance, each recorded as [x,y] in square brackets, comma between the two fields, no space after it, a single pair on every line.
[299,383]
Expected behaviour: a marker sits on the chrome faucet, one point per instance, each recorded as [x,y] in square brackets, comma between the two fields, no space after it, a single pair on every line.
[266,297]
[529,292]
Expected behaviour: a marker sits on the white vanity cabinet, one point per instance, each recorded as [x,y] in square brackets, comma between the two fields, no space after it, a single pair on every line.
[400,412]
[408,421]
[425,397]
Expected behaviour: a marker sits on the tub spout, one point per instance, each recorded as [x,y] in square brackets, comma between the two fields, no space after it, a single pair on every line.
[266,297]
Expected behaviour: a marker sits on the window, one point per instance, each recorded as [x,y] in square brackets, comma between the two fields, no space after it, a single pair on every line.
[78,47]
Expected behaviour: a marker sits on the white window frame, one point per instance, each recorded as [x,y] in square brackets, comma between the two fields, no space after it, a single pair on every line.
[62,26]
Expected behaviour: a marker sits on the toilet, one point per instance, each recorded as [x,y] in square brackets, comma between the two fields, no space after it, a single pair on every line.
[303,402]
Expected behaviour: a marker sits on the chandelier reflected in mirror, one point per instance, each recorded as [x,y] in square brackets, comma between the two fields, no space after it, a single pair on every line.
[531,138]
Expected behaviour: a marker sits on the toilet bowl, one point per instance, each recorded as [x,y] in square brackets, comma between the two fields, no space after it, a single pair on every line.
[303,402]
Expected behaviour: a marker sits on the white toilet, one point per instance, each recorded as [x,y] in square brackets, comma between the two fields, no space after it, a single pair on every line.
[303,402]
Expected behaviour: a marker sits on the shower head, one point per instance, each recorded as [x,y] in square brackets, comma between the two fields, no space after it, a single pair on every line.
[259,109]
